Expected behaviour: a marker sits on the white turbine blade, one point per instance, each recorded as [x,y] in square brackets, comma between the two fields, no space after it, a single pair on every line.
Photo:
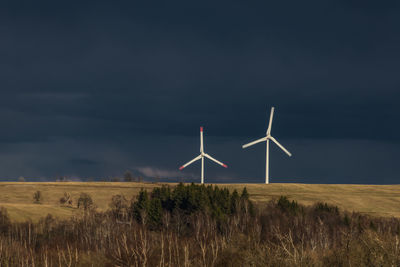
[255,142]
[201,139]
[271,116]
[190,162]
[278,144]
[216,161]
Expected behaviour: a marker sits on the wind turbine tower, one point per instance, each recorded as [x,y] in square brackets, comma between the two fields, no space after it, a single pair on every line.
[266,139]
[202,156]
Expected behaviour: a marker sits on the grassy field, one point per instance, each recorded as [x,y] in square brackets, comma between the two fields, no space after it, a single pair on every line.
[17,197]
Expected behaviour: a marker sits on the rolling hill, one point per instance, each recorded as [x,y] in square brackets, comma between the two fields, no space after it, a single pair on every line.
[17,197]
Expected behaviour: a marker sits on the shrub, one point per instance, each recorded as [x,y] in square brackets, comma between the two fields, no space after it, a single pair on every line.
[4,220]
[66,199]
[37,196]
[324,207]
[85,202]
[346,219]
[119,206]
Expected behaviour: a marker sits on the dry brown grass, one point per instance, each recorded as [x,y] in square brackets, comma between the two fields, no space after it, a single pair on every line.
[17,197]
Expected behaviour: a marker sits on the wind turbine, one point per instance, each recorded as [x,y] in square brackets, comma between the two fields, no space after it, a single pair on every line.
[267,138]
[202,156]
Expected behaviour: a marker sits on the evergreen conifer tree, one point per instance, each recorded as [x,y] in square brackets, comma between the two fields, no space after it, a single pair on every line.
[234,201]
[245,194]
[155,212]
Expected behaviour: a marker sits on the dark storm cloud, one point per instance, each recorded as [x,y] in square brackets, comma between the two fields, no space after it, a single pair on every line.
[105,75]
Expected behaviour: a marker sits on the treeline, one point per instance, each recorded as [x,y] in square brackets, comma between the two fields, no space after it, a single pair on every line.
[193,225]
[180,203]
[128,176]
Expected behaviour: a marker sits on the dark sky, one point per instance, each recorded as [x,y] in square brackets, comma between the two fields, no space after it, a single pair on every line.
[92,88]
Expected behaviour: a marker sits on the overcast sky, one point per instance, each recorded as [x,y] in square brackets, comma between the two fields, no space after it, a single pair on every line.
[93,88]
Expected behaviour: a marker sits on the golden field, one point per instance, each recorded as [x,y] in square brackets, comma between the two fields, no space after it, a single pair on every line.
[17,197]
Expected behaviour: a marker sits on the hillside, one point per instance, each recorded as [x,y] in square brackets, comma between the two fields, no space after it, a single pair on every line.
[17,197]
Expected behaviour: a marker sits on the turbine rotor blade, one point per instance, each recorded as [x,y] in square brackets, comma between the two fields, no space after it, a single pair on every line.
[216,161]
[201,139]
[271,116]
[280,146]
[190,162]
[255,142]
